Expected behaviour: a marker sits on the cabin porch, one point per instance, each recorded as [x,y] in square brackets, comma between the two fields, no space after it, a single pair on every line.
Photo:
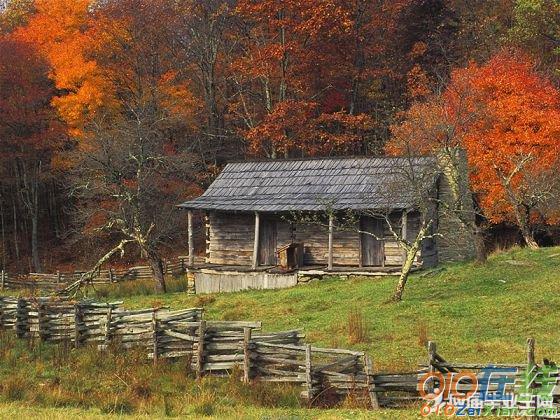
[219,278]
[253,242]
[314,270]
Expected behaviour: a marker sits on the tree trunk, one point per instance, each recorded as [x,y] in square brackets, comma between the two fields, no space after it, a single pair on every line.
[523,219]
[481,253]
[157,270]
[35,243]
[3,227]
[529,238]
[15,228]
[405,271]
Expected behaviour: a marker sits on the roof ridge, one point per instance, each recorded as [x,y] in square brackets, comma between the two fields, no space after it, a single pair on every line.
[329,158]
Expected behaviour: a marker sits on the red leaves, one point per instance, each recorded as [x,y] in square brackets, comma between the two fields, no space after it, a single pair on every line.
[298,127]
[502,112]
[28,124]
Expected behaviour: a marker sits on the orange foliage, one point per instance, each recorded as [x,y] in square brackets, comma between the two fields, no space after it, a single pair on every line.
[297,126]
[305,56]
[60,30]
[500,112]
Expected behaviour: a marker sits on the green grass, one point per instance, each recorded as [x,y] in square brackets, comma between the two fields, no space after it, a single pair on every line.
[18,411]
[474,313]
[481,313]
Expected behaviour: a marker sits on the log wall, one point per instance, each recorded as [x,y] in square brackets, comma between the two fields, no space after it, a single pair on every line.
[231,238]
[218,282]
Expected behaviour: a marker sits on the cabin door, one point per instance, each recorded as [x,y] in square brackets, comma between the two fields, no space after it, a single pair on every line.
[267,241]
[372,248]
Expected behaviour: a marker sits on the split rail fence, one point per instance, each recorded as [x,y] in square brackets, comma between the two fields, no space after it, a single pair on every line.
[212,347]
[59,280]
[496,381]
[220,347]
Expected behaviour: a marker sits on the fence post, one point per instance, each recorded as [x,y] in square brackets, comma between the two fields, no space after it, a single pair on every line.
[308,373]
[246,355]
[3,280]
[21,319]
[200,349]
[58,277]
[530,352]
[108,326]
[531,364]
[155,335]
[78,321]
[191,282]
[110,275]
[432,350]
[42,321]
[370,382]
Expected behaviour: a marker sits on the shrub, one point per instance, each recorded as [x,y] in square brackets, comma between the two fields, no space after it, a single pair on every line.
[14,388]
[357,327]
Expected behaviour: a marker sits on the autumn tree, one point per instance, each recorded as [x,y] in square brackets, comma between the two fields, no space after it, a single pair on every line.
[136,158]
[286,68]
[61,30]
[506,116]
[536,29]
[204,35]
[29,130]
[129,106]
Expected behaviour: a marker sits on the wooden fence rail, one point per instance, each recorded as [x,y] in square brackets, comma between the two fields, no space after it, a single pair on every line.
[218,347]
[56,281]
[213,347]
[508,379]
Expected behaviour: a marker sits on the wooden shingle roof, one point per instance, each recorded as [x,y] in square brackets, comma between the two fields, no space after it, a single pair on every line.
[313,184]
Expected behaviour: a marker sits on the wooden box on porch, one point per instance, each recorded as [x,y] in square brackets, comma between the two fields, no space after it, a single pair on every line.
[290,256]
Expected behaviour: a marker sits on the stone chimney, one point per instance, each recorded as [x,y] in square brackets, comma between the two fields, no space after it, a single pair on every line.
[456,211]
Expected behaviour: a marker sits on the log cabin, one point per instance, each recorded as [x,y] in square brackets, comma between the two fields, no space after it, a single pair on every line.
[255,210]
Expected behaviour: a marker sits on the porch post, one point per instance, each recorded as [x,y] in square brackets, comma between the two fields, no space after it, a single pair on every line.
[256,243]
[404,223]
[190,235]
[331,229]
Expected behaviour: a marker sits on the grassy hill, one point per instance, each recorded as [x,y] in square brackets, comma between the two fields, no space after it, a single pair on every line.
[474,313]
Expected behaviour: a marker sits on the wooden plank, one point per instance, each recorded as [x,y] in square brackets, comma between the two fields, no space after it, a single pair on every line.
[330,246]
[255,260]
[190,237]
[246,355]
[368,367]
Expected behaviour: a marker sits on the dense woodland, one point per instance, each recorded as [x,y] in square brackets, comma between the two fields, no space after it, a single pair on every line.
[113,111]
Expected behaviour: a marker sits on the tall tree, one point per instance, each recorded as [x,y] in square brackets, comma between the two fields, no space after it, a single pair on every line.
[204,35]
[289,98]
[506,116]
[136,159]
[30,132]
